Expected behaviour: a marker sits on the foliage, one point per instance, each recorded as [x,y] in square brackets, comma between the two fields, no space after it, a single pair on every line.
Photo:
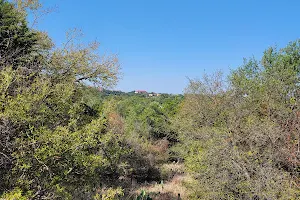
[18,44]
[52,144]
[238,137]
[64,135]
[15,194]
[59,138]
[109,194]
[143,196]
[150,117]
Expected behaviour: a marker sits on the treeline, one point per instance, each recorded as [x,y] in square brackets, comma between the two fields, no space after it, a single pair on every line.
[106,92]
[234,137]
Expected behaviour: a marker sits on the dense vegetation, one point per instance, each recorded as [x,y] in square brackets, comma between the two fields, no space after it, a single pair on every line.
[234,137]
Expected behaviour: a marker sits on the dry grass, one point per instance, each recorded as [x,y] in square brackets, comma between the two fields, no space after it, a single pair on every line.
[166,191]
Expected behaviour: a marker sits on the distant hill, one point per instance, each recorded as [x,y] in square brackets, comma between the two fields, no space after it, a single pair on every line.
[106,92]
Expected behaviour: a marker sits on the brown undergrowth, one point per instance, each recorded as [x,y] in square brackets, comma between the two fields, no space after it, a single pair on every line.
[172,188]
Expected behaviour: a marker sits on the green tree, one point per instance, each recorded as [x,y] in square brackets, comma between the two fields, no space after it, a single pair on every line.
[53,145]
[19,45]
[238,137]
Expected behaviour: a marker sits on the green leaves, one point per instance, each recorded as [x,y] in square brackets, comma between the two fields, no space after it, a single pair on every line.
[53,143]
[18,44]
[235,141]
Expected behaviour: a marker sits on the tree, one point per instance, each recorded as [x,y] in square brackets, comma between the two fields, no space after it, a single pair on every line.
[239,137]
[19,45]
[53,145]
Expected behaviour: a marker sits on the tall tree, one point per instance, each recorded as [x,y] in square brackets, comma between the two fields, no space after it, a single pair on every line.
[18,43]
[51,144]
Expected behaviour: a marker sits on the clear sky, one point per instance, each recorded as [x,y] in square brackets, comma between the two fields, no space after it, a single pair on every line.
[161,42]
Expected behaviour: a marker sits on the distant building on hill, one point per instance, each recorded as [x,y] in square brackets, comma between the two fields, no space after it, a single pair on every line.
[100,89]
[140,92]
[152,94]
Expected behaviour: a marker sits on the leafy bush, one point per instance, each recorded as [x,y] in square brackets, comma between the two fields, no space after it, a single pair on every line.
[238,136]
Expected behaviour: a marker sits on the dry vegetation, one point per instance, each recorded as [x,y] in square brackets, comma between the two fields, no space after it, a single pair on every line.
[227,138]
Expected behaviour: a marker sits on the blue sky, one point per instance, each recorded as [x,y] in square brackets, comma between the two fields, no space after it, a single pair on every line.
[161,42]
